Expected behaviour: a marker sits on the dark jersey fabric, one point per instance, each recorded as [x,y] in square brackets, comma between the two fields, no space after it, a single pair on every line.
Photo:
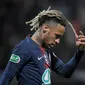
[33,67]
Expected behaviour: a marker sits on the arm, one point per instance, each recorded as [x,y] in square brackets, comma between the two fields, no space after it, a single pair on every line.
[17,60]
[67,69]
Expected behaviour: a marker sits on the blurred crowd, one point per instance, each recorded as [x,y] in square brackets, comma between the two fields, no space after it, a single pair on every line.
[14,14]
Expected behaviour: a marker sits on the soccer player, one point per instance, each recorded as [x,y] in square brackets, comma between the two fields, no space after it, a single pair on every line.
[31,61]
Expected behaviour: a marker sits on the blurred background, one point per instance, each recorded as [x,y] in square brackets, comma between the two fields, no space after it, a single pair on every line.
[14,14]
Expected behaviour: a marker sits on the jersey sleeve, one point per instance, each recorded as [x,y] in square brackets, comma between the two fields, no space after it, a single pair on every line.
[17,60]
[67,69]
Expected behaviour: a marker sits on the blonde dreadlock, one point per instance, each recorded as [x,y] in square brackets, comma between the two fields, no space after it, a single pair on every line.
[34,23]
[50,13]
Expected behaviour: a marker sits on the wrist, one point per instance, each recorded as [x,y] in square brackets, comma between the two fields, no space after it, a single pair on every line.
[81,48]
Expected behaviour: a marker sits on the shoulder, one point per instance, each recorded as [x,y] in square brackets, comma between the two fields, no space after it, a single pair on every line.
[23,46]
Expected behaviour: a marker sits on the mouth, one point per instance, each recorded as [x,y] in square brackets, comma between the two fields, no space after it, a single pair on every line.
[52,45]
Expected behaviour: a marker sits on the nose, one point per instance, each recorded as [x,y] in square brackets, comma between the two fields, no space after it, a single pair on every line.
[57,41]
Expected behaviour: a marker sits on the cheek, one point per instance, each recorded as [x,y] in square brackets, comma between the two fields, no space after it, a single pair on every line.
[50,39]
[47,39]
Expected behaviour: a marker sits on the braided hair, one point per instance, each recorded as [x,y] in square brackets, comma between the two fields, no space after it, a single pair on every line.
[47,15]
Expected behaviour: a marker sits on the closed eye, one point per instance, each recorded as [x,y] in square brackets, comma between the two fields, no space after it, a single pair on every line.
[57,36]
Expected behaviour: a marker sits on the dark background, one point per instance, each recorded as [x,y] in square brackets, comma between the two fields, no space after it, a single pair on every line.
[14,14]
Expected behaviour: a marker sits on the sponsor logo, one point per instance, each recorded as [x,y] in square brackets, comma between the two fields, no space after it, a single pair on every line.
[46,77]
[14,58]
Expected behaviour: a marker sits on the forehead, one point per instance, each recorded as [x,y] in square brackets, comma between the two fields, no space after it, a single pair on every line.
[59,29]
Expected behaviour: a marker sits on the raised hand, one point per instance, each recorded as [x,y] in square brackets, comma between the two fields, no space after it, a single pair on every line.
[80,42]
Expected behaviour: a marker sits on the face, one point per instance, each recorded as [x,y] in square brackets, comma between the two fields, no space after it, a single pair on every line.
[53,35]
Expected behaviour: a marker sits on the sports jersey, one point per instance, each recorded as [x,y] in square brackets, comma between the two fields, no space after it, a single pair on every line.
[32,65]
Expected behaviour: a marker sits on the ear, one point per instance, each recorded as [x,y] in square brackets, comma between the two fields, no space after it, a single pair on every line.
[45,28]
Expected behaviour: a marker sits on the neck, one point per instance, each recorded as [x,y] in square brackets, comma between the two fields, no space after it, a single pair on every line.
[36,38]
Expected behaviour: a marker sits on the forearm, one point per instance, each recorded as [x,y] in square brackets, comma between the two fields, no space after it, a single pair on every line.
[5,79]
[67,69]
[74,61]
[7,75]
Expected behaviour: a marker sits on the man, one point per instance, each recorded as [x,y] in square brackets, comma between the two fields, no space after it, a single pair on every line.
[31,61]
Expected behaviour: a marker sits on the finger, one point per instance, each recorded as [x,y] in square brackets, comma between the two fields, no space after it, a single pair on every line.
[82,40]
[82,43]
[81,36]
[81,33]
